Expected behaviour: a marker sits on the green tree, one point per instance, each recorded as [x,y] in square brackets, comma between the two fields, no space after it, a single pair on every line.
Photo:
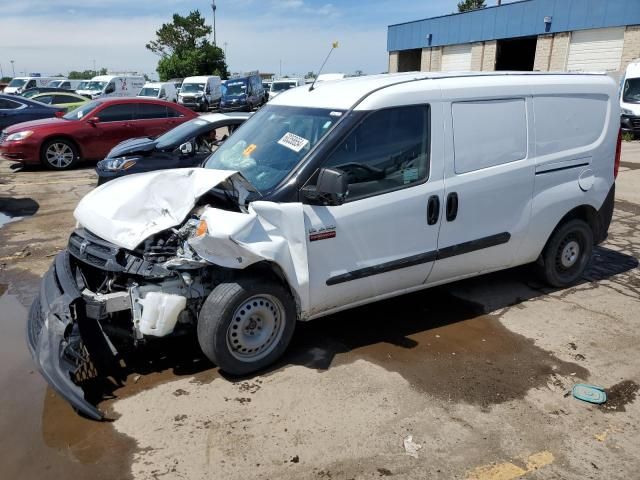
[86,74]
[185,50]
[310,75]
[467,5]
[5,79]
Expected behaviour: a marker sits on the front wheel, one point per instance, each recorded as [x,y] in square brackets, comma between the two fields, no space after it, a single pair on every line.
[246,325]
[567,254]
[59,154]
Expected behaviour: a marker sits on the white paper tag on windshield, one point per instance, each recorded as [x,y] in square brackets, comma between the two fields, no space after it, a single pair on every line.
[293,142]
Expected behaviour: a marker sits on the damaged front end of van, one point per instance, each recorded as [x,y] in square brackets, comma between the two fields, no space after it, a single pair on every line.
[147,251]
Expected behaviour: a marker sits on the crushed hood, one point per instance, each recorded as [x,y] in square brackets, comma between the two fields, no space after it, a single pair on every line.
[128,210]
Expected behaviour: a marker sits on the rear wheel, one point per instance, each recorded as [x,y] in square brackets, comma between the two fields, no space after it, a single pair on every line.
[567,254]
[59,154]
[246,325]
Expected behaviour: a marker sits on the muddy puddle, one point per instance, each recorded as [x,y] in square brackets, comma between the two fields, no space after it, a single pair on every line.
[15,209]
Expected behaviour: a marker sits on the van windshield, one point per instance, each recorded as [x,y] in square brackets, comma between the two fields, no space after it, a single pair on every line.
[631,91]
[272,142]
[282,86]
[149,92]
[17,82]
[95,86]
[81,111]
[192,87]
[235,88]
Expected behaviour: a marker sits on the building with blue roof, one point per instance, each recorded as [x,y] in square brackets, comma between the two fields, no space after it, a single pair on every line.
[542,35]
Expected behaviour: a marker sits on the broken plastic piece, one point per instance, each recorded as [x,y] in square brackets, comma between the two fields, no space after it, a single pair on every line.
[410,447]
[589,393]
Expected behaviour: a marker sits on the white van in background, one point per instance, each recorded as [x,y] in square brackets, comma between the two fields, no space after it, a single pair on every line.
[326,77]
[65,83]
[201,93]
[630,99]
[113,86]
[160,90]
[279,86]
[20,84]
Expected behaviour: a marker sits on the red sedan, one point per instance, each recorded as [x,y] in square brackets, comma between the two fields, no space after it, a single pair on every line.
[90,131]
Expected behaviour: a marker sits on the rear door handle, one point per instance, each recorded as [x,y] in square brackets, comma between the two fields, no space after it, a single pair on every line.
[452,206]
[433,209]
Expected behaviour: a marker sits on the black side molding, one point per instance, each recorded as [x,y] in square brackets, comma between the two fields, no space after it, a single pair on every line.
[563,168]
[447,252]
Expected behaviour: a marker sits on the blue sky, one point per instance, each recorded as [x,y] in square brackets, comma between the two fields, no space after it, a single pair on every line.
[57,36]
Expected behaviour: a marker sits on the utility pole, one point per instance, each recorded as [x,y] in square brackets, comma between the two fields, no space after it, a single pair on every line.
[13,68]
[280,69]
[94,67]
[213,8]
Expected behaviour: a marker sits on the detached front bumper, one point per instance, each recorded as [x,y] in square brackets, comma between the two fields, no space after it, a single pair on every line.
[56,318]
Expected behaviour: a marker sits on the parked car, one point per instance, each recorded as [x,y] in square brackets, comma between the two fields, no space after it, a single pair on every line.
[242,94]
[89,131]
[630,99]
[15,109]
[359,190]
[201,93]
[186,145]
[160,90]
[279,86]
[32,92]
[20,84]
[112,86]
[66,84]
[66,100]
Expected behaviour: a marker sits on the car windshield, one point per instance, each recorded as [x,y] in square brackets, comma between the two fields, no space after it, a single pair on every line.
[235,88]
[179,134]
[149,92]
[95,85]
[17,82]
[270,144]
[192,87]
[281,86]
[81,111]
[631,91]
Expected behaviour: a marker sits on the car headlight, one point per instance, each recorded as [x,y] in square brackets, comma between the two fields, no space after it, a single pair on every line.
[626,111]
[123,163]
[14,137]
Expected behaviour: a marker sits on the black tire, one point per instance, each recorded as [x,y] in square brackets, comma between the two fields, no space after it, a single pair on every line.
[567,254]
[67,158]
[227,316]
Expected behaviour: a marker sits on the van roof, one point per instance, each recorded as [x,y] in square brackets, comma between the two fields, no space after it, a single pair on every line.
[106,78]
[344,94]
[157,84]
[199,78]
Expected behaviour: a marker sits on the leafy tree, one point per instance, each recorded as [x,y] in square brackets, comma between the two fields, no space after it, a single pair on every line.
[310,75]
[185,50]
[86,74]
[467,5]
[5,79]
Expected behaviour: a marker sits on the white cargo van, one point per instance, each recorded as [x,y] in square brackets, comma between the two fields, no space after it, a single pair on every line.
[283,84]
[113,86]
[65,83]
[160,90]
[201,93]
[20,84]
[630,99]
[356,191]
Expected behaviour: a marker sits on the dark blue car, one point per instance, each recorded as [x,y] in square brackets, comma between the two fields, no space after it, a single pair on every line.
[15,109]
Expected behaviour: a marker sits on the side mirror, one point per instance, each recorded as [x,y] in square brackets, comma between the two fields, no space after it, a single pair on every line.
[330,189]
[93,120]
[186,148]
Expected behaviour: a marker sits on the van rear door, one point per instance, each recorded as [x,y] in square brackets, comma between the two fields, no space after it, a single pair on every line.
[489,179]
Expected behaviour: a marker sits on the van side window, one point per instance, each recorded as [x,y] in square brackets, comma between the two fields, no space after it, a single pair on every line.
[567,122]
[387,151]
[488,133]
[31,84]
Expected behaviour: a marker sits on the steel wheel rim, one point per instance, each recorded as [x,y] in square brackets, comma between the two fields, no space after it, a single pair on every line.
[59,155]
[256,328]
[570,254]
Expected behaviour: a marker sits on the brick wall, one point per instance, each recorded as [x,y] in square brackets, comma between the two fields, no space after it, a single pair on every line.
[477,53]
[489,57]
[425,62]
[631,49]
[544,46]
[393,62]
[436,59]
[559,52]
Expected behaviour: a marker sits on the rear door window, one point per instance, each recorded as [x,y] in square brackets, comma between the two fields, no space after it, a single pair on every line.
[389,150]
[117,113]
[149,111]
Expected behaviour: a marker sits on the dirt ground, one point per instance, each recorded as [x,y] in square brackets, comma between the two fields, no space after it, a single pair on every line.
[476,372]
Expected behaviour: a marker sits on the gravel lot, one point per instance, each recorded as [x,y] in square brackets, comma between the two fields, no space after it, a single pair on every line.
[476,372]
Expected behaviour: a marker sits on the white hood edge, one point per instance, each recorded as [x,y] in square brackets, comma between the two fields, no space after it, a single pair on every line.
[128,210]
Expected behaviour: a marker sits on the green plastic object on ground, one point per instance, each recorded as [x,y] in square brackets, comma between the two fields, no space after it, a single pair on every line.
[589,393]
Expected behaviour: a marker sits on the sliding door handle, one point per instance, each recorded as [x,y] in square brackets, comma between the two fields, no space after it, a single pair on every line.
[452,206]
[433,209]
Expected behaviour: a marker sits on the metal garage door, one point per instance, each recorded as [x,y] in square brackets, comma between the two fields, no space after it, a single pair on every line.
[599,49]
[456,58]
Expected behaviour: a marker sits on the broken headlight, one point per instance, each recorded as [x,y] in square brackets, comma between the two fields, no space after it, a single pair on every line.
[123,163]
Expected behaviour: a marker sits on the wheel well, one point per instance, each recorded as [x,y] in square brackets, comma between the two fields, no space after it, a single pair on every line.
[60,137]
[272,271]
[585,213]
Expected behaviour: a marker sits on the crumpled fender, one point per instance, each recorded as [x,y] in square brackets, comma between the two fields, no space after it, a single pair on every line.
[270,231]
